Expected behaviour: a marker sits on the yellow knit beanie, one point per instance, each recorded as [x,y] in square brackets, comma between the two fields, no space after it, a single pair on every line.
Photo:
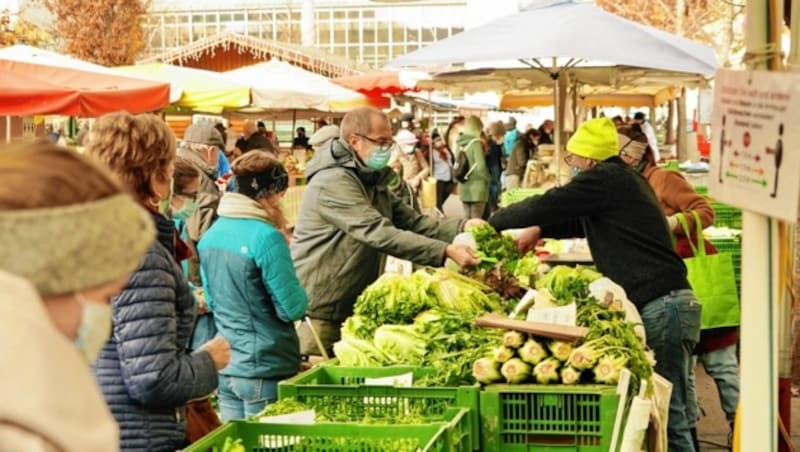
[595,139]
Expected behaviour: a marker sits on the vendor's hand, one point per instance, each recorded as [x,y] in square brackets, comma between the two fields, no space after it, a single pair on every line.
[528,238]
[472,223]
[202,308]
[462,255]
[220,351]
[672,221]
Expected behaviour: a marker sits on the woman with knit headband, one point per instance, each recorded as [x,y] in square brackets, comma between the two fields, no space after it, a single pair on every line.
[70,242]
[253,290]
[145,371]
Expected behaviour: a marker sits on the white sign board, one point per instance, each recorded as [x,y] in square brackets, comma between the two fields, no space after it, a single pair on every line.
[755,160]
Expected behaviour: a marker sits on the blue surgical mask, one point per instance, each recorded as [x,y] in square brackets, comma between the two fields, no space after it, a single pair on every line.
[95,328]
[190,206]
[378,158]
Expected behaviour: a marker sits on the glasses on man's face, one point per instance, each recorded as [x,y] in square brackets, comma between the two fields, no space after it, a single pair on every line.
[383,143]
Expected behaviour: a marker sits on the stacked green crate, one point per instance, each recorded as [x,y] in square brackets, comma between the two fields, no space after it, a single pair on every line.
[351,437]
[343,390]
[516,418]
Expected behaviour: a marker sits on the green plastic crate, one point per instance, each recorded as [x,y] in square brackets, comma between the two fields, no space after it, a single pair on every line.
[547,418]
[344,388]
[258,437]
[726,216]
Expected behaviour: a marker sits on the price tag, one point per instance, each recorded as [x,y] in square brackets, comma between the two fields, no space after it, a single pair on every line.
[562,315]
[405,380]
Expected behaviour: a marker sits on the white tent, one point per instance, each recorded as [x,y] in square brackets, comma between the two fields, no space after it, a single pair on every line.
[282,86]
[559,36]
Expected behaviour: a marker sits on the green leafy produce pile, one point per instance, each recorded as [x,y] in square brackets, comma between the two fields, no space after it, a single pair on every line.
[516,195]
[367,444]
[610,345]
[502,267]
[435,328]
[333,411]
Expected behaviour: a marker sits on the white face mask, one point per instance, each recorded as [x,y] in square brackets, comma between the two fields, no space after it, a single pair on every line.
[95,328]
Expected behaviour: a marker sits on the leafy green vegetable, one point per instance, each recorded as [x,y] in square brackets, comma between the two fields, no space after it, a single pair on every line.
[570,375]
[283,406]
[513,339]
[532,352]
[485,370]
[232,445]
[546,371]
[608,368]
[494,247]
[401,344]
[515,370]
[346,443]
[502,354]
[560,350]
[525,269]
[568,284]
[392,299]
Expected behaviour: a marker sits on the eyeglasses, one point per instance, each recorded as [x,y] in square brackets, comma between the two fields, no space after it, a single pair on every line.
[382,143]
[569,158]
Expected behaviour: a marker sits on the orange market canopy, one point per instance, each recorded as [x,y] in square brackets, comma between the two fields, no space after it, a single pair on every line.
[35,89]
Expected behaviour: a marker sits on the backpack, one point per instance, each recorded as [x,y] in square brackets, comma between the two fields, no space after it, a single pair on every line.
[461,168]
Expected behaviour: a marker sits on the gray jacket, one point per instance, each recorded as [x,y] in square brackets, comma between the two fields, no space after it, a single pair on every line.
[348,224]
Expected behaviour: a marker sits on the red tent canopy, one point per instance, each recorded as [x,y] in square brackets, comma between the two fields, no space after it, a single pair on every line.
[379,83]
[33,89]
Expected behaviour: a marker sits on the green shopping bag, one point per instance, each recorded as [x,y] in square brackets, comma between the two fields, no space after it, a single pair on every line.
[713,281]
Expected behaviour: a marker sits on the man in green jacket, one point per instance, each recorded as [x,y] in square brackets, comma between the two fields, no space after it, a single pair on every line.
[349,222]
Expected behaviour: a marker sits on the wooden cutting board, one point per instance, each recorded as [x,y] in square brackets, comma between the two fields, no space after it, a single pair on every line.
[558,332]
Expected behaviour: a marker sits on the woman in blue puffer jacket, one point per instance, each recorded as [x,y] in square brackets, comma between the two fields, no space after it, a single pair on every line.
[253,290]
[145,370]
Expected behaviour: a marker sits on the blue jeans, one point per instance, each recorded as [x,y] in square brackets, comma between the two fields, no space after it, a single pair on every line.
[240,398]
[722,366]
[672,324]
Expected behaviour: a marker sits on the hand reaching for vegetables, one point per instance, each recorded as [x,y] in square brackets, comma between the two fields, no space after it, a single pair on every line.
[220,351]
[472,223]
[528,238]
[462,255]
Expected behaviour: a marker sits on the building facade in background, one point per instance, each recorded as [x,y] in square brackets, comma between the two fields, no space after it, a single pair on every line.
[367,32]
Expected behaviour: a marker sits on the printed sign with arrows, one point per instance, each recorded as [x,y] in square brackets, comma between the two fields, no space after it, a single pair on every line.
[751,170]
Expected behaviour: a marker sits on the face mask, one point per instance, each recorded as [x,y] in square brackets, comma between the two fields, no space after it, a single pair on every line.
[95,328]
[574,170]
[163,205]
[378,159]
[189,208]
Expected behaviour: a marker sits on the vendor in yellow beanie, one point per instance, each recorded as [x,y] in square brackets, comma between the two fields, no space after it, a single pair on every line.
[615,209]
[595,141]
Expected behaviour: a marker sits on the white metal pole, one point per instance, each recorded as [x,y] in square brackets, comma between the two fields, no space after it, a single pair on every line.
[759,326]
[558,123]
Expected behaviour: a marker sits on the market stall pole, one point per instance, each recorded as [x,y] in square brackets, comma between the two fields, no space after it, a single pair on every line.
[763,243]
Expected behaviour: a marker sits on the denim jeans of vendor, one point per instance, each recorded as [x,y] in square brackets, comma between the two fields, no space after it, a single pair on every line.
[723,367]
[672,324]
[240,398]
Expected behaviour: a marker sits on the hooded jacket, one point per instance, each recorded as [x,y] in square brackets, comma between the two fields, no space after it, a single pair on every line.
[476,188]
[348,224]
[50,400]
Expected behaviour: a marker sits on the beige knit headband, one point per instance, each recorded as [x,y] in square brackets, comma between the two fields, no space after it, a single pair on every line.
[632,148]
[67,249]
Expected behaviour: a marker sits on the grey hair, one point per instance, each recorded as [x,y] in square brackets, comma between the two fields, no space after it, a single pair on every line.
[358,122]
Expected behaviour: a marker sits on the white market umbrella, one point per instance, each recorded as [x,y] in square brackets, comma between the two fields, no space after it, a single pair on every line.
[282,86]
[558,35]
